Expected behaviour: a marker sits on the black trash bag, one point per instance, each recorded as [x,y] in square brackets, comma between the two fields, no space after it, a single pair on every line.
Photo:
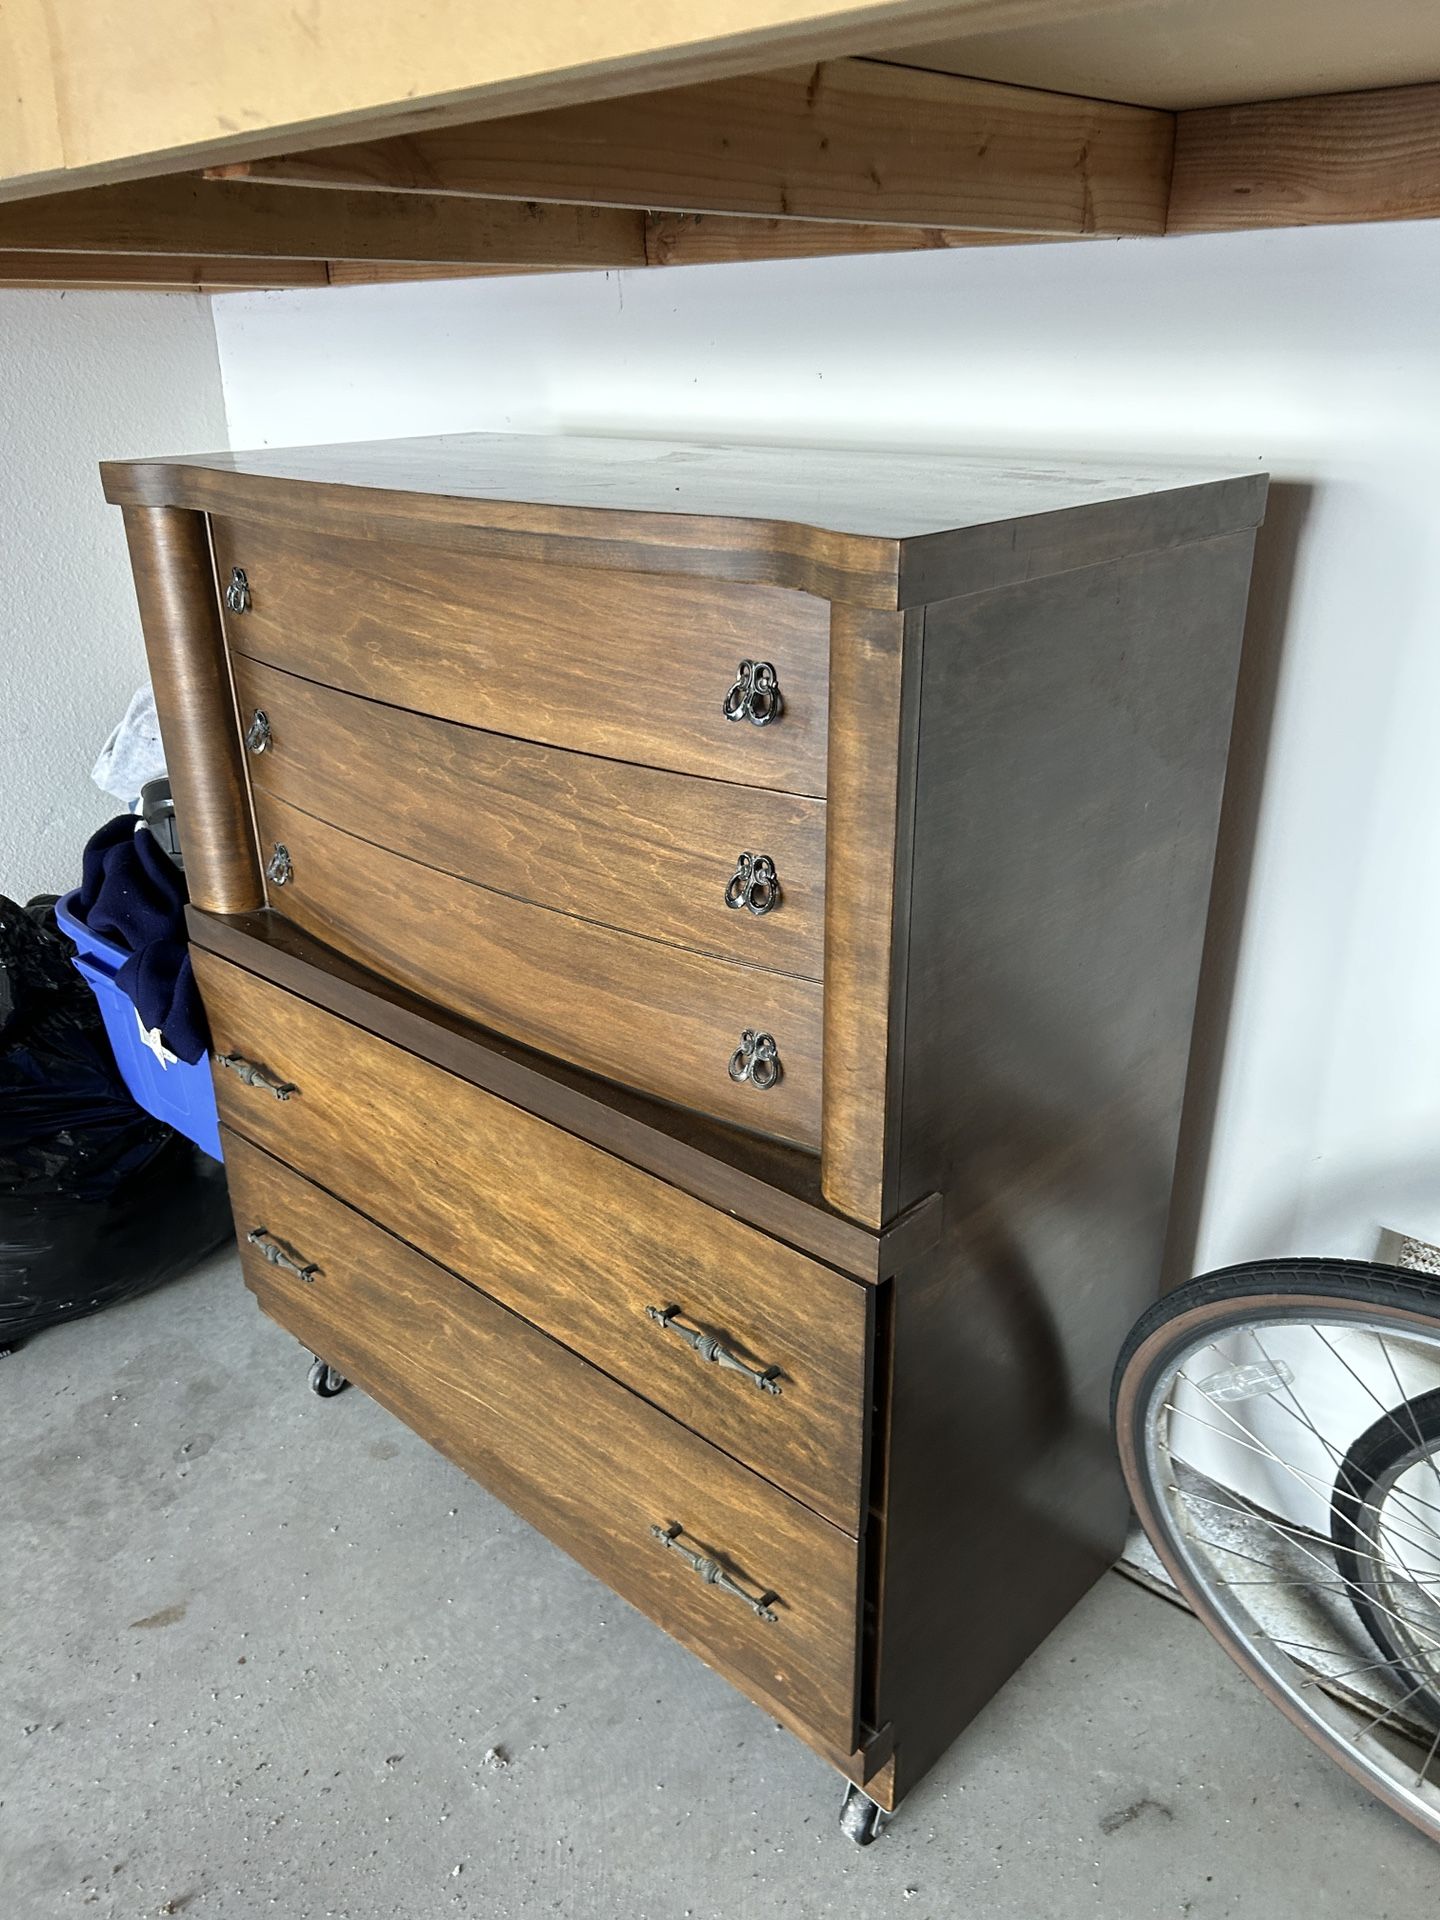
[97,1200]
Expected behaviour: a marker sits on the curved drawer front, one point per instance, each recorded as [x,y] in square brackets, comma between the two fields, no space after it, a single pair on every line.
[604,1482]
[648,1015]
[630,665]
[592,1250]
[630,847]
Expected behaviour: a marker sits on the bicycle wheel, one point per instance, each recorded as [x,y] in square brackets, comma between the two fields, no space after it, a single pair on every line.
[1273,1422]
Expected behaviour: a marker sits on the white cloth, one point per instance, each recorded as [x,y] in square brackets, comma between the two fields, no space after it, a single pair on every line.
[133,753]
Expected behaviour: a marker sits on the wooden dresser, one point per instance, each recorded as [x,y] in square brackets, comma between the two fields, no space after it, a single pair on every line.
[700,946]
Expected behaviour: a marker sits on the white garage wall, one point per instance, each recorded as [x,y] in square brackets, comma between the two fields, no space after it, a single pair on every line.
[1311,354]
[83,377]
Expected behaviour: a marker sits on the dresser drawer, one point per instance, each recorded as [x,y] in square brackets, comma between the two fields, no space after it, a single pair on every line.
[650,1016]
[594,1467]
[575,1240]
[633,666]
[631,847]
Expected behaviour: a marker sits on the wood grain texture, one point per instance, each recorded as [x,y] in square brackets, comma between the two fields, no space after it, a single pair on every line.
[773,1186]
[633,667]
[574,1240]
[1071,757]
[705,239]
[647,1015]
[149,87]
[483,1387]
[163,273]
[875,682]
[873,528]
[192,216]
[629,847]
[1310,162]
[847,140]
[175,588]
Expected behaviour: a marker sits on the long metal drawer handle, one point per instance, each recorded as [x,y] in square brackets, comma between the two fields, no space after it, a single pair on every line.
[254,1076]
[767,1379]
[755,696]
[755,885]
[756,1059]
[279,1255]
[714,1575]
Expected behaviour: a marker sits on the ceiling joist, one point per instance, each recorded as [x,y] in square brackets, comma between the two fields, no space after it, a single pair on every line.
[847,140]
[852,156]
[1327,160]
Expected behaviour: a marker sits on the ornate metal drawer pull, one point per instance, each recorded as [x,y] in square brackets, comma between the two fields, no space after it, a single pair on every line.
[755,695]
[280,868]
[767,1379]
[254,1076]
[755,884]
[756,1060]
[279,1255]
[257,734]
[237,594]
[714,1575]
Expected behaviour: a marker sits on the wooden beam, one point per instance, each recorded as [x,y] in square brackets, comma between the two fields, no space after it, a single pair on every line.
[1333,158]
[703,239]
[222,219]
[137,88]
[155,273]
[848,140]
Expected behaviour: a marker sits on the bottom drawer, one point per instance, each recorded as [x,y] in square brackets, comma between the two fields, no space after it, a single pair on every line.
[594,1467]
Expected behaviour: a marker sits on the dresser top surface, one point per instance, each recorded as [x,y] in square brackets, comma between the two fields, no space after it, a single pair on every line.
[857,492]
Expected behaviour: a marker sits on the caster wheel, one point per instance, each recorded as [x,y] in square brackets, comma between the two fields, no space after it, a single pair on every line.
[861,1818]
[325,1381]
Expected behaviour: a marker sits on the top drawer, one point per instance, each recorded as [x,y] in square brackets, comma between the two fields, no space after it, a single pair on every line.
[642,667]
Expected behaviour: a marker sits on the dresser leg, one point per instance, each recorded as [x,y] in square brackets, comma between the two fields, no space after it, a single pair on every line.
[861,1818]
[324,1379]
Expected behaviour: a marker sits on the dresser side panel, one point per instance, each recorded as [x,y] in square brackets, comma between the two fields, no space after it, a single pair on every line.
[1072,752]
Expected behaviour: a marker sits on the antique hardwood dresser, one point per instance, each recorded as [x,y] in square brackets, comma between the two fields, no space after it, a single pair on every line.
[700,945]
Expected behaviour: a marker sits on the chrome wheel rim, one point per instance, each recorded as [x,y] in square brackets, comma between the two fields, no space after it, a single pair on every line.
[1243,1432]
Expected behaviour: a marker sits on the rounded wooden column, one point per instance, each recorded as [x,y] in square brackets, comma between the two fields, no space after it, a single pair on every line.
[175,586]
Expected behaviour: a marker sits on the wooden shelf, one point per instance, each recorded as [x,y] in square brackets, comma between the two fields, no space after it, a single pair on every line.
[569,137]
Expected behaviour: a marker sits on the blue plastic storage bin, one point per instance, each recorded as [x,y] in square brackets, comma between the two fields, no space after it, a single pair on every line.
[172,1090]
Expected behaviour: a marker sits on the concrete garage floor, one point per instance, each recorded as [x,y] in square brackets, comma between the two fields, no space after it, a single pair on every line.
[257,1648]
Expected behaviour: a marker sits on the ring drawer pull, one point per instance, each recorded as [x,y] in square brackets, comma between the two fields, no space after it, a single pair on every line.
[279,1255]
[755,695]
[237,593]
[714,1575]
[755,885]
[756,1060]
[767,1379]
[257,735]
[254,1076]
[280,868]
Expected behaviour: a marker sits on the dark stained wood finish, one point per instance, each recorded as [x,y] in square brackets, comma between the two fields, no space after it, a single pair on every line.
[592,1466]
[627,846]
[170,561]
[633,667]
[1071,757]
[1029,676]
[875,668]
[881,530]
[572,1239]
[648,1015]
[774,1186]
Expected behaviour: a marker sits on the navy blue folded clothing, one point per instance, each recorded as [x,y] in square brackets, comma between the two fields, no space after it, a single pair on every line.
[131,892]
